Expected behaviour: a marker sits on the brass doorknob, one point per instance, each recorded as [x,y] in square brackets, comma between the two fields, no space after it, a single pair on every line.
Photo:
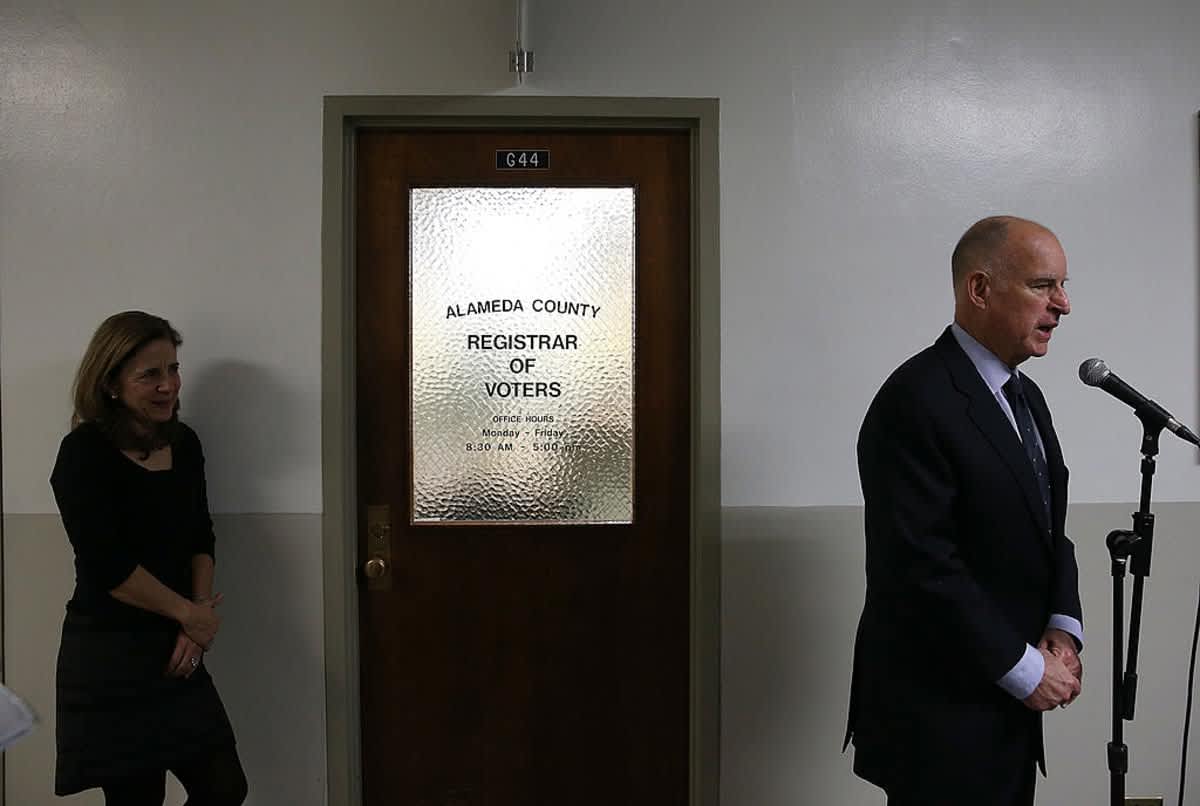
[375,567]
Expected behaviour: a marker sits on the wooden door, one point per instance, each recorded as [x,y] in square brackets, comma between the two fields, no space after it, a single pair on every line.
[524,662]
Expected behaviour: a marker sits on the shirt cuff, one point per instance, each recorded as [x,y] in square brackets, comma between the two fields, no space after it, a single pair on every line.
[1023,678]
[1068,625]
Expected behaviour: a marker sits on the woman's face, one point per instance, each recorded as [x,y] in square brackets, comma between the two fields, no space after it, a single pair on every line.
[148,384]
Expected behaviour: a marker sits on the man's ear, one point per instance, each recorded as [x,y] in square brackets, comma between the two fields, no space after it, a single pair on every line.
[979,288]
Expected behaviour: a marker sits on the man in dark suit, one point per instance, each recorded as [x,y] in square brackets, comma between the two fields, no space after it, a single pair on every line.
[972,621]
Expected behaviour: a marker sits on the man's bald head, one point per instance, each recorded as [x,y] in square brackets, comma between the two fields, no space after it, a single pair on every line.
[985,246]
[1009,286]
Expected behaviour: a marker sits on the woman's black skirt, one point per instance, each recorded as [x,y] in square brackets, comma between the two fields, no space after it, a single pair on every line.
[120,715]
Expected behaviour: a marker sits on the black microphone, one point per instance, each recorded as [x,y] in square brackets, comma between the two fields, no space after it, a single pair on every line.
[1095,372]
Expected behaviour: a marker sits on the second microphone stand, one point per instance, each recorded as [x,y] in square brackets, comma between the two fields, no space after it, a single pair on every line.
[1132,548]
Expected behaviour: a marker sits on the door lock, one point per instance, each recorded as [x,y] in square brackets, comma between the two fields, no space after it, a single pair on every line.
[378,568]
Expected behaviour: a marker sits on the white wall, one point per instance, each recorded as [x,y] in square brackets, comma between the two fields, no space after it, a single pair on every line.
[859,139]
[167,156]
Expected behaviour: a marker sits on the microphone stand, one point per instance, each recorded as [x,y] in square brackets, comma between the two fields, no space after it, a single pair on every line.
[1135,547]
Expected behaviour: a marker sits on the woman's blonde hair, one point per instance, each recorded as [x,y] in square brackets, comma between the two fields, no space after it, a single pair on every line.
[115,341]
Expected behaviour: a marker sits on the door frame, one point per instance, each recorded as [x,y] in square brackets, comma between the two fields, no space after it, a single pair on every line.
[344,117]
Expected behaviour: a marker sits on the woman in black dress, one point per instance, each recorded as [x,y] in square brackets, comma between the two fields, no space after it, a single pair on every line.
[134,696]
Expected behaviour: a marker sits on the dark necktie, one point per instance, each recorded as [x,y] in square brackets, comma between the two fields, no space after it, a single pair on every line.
[1020,408]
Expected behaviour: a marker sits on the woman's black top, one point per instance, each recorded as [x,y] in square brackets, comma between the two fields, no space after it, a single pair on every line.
[118,714]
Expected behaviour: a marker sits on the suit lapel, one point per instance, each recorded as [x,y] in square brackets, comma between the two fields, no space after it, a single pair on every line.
[989,418]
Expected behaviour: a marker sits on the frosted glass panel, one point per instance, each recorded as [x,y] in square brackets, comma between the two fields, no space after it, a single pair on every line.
[522,354]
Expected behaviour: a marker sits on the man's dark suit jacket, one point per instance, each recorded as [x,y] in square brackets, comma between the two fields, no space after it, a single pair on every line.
[963,571]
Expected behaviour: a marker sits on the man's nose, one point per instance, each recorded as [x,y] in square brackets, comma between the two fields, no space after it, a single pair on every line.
[1062,302]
